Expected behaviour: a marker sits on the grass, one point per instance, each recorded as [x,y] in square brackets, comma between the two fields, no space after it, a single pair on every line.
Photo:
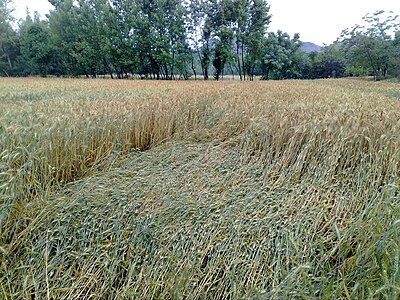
[199,190]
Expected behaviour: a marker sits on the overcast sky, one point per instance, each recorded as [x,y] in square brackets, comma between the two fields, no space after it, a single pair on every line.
[317,21]
[41,6]
[322,21]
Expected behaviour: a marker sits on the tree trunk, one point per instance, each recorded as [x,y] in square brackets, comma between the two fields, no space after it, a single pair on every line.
[243,67]
[192,64]
[375,71]
[233,74]
[252,72]
[267,70]
[166,72]
[7,56]
[5,72]
[86,73]
[172,66]
[205,72]
[194,71]
[9,61]
[201,65]
[238,60]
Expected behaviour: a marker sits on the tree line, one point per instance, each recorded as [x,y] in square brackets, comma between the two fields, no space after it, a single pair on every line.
[179,39]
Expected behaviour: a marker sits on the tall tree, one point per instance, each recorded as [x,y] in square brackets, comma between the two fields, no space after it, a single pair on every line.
[161,36]
[279,55]
[257,22]
[64,27]
[8,39]
[370,46]
[37,48]
[236,29]
[197,36]
[395,57]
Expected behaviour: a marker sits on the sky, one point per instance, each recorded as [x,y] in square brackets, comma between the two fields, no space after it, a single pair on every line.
[317,21]
[322,21]
[41,6]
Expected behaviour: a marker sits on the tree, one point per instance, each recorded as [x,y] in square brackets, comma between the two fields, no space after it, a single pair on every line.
[65,31]
[236,29]
[394,61]
[36,48]
[198,30]
[279,54]
[8,39]
[222,35]
[160,36]
[257,22]
[329,63]
[370,47]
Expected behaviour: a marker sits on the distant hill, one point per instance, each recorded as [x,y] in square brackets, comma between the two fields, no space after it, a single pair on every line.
[310,47]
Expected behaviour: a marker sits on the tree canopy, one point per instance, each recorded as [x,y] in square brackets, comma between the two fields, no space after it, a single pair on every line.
[178,39]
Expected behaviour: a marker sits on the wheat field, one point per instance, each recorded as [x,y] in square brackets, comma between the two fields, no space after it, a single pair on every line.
[199,190]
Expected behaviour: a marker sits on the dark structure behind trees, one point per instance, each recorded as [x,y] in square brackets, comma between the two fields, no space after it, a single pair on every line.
[178,39]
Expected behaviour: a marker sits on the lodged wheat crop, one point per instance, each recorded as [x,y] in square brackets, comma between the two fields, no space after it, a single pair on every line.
[199,190]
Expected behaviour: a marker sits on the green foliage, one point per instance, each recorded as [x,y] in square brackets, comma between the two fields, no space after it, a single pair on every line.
[330,63]
[394,60]
[257,21]
[278,56]
[9,49]
[171,39]
[37,49]
[370,47]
